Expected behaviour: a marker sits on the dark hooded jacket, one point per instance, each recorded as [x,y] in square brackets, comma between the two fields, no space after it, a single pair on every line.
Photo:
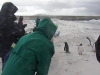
[7,19]
[97,47]
[33,52]
[7,16]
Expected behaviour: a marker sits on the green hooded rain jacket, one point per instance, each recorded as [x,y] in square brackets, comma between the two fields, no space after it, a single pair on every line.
[32,54]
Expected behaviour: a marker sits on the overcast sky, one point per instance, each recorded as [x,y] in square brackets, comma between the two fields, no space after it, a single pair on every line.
[56,7]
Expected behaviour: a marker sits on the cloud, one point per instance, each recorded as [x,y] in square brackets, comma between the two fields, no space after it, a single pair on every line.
[69,11]
[29,10]
[59,7]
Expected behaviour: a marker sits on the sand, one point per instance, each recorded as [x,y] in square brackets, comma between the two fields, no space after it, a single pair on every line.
[74,33]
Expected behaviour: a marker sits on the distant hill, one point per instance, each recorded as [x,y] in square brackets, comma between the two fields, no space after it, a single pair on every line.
[62,17]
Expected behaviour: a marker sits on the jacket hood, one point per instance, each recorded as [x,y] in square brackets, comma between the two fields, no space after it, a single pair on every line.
[47,27]
[8,8]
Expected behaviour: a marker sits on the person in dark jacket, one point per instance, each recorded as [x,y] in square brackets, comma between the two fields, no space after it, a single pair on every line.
[21,27]
[97,47]
[20,20]
[9,31]
[33,52]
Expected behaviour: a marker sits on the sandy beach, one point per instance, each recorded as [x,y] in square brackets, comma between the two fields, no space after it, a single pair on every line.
[74,33]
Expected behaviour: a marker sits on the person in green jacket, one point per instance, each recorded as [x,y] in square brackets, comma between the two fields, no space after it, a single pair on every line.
[37,23]
[33,52]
